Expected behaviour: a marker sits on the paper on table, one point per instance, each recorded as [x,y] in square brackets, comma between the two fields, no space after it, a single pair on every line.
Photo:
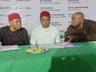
[9,47]
[71,45]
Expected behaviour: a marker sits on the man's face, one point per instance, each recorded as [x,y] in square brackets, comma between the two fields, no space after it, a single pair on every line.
[15,24]
[45,21]
[77,20]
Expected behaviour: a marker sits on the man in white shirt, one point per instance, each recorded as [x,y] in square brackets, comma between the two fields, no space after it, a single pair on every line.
[45,33]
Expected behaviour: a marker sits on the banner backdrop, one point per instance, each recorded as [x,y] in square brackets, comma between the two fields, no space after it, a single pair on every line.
[60,10]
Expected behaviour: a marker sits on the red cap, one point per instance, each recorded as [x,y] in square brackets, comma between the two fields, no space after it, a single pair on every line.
[45,13]
[13,16]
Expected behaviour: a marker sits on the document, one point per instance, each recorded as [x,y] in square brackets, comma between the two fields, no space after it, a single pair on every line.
[9,47]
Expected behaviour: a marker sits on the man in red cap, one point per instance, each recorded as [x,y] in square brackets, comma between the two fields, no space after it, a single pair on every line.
[14,34]
[45,33]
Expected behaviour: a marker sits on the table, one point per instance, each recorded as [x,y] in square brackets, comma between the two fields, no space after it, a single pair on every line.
[20,61]
[77,59]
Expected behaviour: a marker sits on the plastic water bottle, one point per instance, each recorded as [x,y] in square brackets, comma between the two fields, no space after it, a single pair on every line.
[62,35]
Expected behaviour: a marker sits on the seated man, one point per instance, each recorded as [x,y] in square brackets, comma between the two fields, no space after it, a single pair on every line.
[45,33]
[81,29]
[14,34]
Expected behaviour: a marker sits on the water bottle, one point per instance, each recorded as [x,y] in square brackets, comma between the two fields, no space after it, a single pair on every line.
[62,35]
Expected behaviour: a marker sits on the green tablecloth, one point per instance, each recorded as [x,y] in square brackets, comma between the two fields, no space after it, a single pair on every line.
[20,61]
[77,59]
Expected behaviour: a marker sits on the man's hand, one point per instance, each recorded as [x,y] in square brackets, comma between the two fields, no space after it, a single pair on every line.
[64,43]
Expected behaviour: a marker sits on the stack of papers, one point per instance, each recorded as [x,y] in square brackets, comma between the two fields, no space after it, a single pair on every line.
[9,47]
